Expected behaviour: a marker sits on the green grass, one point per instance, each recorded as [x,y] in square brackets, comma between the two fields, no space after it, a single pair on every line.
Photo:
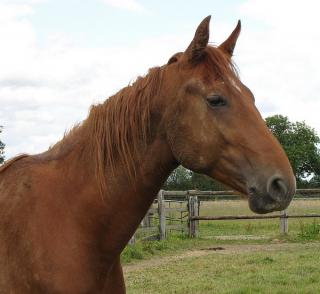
[148,249]
[293,270]
[267,227]
[286,271]
[310,231]
[299,229]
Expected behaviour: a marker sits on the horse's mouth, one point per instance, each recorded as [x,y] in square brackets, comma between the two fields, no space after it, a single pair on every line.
[272,199]
[265,204]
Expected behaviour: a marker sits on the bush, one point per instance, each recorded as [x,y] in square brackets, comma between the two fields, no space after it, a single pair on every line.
[309,231]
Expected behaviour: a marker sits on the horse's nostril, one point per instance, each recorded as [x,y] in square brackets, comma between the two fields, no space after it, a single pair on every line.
[277,189]
[252,190]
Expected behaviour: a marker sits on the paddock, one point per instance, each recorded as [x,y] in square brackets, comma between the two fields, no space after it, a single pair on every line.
[233,250]
[236,268]
[201,213]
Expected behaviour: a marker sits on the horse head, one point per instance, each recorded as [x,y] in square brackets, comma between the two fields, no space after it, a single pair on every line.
[213,126]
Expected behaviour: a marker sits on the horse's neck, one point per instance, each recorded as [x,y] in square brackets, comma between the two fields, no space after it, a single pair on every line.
[120,209]
[129,200]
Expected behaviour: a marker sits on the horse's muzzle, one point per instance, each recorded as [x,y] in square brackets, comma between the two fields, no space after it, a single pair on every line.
[276,195]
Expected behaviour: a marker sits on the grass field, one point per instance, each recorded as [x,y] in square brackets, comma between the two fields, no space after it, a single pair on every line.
[267,228]
[289,268]
[272,264]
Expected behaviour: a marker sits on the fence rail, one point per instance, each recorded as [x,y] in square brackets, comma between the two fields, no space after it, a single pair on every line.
[226,193]
[233,217]
[189,202]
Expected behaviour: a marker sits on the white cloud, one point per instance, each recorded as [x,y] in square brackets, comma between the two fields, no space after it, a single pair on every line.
[132,5]
[278,56]
[46,89]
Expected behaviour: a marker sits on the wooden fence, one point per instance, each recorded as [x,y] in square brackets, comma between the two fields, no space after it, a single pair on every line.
[158,221]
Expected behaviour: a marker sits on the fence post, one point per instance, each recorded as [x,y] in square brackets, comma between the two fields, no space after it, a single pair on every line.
[146,221]
[162,215]
[132,241]
[283,222]
[193,211]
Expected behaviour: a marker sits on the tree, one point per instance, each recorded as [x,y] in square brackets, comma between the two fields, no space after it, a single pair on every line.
[184,179]
[205,183]
[180,179]
[300,142]
[1,149]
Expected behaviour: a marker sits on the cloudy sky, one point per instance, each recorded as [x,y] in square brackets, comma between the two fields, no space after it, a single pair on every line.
[57,57]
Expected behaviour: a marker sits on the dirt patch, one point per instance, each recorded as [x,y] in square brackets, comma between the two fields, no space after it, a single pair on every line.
[240,237]
[213,248]
[226,249]
[158,261]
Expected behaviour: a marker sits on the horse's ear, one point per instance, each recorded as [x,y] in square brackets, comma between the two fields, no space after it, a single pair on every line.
[228,45]
[200,40]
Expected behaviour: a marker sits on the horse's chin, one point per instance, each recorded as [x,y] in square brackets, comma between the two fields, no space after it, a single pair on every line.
[264,204]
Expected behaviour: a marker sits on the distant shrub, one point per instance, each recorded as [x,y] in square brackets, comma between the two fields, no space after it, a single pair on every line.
[309,231]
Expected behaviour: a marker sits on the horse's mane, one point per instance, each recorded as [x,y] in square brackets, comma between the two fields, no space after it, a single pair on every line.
[119,127]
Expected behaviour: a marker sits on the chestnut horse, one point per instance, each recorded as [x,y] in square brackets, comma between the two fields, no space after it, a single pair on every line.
[66,214]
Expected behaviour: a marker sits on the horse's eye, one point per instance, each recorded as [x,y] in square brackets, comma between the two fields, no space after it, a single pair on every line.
[216,101]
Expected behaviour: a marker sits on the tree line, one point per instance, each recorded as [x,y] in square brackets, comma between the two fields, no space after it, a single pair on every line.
[299,140]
